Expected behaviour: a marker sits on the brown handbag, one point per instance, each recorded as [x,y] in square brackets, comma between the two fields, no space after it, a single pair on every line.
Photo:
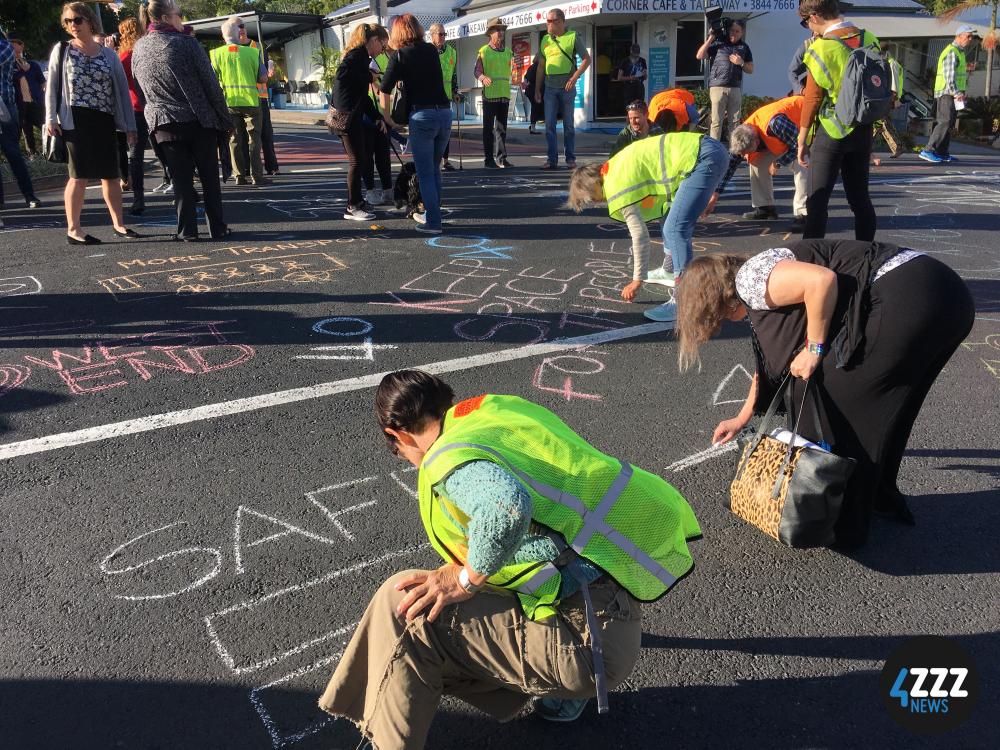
[337,120]
[791,493]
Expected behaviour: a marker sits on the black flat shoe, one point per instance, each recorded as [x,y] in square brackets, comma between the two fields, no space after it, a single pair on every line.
[224,235]
[130,233]
[182,238]
[32,202]
[87,240]
[137,209]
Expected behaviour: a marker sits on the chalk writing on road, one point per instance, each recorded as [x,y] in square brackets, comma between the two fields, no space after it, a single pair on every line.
[364,350]
[988,351]
[190,349]
[302,268]
[19,286]
[167,562]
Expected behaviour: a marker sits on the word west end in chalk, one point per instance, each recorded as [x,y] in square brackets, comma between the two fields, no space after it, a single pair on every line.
[195,349]
[928,705]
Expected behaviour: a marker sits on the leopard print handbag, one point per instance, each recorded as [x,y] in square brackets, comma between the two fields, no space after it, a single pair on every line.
[791,493]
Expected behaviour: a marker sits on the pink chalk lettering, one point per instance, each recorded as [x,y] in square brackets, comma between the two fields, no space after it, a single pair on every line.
[12,376]
[513,285]
[561,364]
[547,275]
[245,354]
[73,380]
[438,305]
[462,332]
[176,364]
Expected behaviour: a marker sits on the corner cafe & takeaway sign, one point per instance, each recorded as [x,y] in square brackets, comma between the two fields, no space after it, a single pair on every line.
[536,16]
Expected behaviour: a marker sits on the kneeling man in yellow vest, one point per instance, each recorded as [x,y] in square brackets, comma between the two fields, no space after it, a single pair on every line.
[768,140]
[543,536]
[239,70]
[493,68]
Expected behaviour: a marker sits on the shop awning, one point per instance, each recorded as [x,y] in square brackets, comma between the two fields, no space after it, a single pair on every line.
[271,28]
[890,26]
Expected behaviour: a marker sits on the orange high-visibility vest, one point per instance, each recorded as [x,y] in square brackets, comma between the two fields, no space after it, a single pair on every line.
[676,100]
[790,107]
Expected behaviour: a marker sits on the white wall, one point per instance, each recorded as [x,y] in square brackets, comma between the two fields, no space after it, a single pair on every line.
[773,39]
[300,67]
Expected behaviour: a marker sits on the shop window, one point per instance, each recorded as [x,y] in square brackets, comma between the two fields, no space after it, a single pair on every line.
[611,47]
[690,35]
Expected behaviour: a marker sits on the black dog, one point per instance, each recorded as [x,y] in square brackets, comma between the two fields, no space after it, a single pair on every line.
[406,191]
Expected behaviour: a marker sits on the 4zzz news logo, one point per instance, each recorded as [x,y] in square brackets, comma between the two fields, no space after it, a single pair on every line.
[930,684]
[918,699]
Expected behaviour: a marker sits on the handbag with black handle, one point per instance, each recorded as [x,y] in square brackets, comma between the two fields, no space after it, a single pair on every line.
[54,146]
[791,491]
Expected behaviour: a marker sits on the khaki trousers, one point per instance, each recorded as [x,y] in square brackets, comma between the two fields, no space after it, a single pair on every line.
[484,651]
[244,144]
[762,184]
[726,101]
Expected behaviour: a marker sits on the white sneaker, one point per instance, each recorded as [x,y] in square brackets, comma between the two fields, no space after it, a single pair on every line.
[355,213]
[665,313]
[660,276]
[420,218]
[168,190]
[161,187]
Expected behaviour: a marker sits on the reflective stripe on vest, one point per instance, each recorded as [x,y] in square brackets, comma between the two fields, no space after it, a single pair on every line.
[449,59]
[496,67]
[961,72]
[790,107]
[825,60]
[237,68]
[649,172]
[556,62]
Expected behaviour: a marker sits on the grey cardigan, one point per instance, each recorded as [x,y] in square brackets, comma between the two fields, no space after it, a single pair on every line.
[124,116]
[175,76]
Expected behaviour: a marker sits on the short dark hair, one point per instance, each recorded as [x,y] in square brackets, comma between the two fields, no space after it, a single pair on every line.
[666,120]
[560,14]
[826,9]
[408,399]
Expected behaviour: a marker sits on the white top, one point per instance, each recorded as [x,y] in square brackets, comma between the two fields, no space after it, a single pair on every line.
[751,279]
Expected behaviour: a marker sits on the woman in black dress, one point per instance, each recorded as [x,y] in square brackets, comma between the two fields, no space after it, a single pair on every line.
[870,324]
[89,104]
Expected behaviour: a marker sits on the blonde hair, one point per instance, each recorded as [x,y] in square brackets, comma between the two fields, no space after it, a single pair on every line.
[155,11]
[705,295]
[362,33]
[583,184]
[435,27]
[129,32]
[83,10]
[406,31]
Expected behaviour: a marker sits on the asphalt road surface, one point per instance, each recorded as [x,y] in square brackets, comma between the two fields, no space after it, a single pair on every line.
[197,504]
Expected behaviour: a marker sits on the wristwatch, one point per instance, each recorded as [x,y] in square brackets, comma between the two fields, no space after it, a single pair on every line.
[465,583]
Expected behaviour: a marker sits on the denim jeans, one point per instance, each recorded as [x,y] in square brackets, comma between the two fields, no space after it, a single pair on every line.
[691,199]
[430,130]
[10,145]
[555,99]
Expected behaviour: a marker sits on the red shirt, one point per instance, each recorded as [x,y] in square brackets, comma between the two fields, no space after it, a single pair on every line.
[137,104]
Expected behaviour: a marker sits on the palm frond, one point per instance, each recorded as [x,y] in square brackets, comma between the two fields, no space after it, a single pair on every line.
[951,15]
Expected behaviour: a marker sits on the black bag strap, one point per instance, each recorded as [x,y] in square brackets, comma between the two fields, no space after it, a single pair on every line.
[392,145]
[572,59]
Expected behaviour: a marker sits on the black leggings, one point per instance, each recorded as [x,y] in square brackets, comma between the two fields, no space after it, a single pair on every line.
[850,158]
[357,155]
[921,312]
[377,157]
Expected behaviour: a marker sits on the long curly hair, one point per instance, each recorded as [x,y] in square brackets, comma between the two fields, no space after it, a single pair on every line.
[129,32]
[705,295]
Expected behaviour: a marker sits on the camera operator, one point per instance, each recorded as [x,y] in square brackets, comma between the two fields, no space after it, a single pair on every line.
[728,59]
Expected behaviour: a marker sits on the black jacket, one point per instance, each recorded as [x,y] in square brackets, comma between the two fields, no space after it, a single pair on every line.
[350,90]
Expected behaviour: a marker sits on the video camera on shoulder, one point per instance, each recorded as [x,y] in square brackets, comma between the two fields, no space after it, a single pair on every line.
[719,25]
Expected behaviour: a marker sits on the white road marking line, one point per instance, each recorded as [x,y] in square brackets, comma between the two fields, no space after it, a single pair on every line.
[306,393]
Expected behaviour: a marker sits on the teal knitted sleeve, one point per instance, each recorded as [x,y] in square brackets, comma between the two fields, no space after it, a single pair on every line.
[498,507]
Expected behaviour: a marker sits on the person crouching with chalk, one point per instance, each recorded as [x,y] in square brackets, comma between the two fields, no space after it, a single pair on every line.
[548,546]
[673,176]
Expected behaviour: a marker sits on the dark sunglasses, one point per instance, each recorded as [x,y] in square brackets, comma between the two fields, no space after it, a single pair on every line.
[804,23]
[636,106]
[75,20]
[241,26]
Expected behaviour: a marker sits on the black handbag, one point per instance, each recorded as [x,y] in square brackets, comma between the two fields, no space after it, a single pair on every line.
[791,492]
[54,146]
